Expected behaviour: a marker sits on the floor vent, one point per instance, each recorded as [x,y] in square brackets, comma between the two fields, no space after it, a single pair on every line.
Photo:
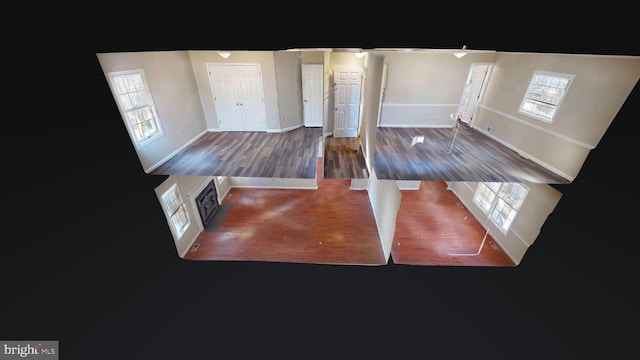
[493,245]
[195,247]
[459,205]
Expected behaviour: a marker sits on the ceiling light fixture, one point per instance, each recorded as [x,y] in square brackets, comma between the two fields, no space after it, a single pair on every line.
[460,54]
[224,54]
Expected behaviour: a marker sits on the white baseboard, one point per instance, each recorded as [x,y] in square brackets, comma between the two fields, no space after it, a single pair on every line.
[175,152]
[526,155]
[423,126]
[285,129]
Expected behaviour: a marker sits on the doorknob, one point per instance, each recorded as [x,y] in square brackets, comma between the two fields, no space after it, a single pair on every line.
[305,100]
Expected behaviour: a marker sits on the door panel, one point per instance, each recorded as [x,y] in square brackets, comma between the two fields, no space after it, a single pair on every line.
[312,94]
[471,94]
[225,97]
[238,97]
[251,98]
[348,80]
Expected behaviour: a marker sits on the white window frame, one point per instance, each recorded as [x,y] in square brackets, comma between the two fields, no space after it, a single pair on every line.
[147,105]
[554,91]
[176,210]
[494,199]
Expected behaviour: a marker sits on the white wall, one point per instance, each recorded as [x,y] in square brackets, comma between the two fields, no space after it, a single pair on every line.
[384,195]
[359,184]
[312,57]
[385,200]
[189,187]
[540,202]
[408,184]
[424,89]
[328,99]
[599,89]
[289,84]
[373,68]
[275,183]
[222,187]
[175,94]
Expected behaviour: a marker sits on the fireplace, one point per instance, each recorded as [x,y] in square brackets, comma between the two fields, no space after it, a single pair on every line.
[207,203]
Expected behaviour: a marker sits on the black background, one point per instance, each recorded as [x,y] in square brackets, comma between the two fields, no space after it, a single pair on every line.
[88,260]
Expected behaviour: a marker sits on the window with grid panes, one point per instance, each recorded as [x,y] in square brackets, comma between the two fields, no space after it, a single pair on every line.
[136,105]
[501,201]
[545,94]
[176,210]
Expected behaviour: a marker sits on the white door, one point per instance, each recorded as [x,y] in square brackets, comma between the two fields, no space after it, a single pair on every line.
[238,96]
[383,87]
[312,93]
[225,97]
[348,80]
[473,88]
[251,96]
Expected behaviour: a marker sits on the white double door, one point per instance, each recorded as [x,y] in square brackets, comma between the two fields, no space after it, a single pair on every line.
[238,96]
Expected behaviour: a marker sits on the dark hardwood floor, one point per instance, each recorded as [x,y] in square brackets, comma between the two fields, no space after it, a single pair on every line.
[473,157]
[434,228]
[335,225]
[330,225]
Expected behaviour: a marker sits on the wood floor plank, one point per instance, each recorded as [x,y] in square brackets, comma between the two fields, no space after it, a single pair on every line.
[340,162]
[433,226]
[473,157]
[330,225]
[335,225]
[290,154]
[445,155]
